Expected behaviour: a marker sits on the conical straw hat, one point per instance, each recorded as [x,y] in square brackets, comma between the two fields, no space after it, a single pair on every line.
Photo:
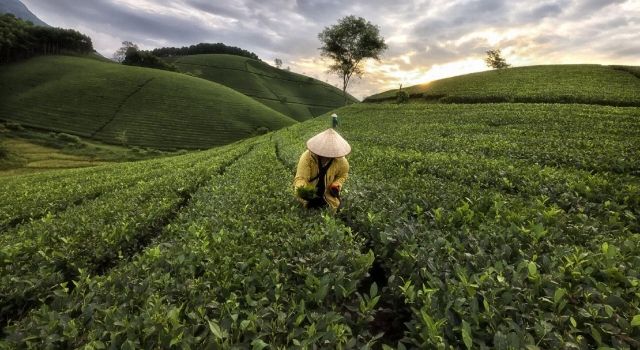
[329,144]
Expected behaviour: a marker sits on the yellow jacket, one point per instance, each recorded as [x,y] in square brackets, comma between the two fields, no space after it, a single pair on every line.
[308,169]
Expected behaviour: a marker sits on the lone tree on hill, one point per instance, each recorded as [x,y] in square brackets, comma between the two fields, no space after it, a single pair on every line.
[495,60]
[278,63]
[121,53]
[348,44]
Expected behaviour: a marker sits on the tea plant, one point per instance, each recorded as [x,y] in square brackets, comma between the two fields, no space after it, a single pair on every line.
[285,277]
[488,235]
[464,226]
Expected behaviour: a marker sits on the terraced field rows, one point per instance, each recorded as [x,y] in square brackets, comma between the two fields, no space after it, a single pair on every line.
[588,84]
[129,105]
[530,245]
[222,270]
[56,191]
[464,227]
[50,251]
[292,94]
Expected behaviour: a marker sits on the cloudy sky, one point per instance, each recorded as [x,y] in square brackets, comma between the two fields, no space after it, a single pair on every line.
[428,39]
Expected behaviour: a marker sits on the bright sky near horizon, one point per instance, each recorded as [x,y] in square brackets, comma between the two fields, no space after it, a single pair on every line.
[428,39]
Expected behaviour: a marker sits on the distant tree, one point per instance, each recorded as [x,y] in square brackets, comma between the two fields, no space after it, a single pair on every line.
[348,44]
[278,63]
[402,96]
[495,60]
[203,48]
[135,57]
[20,39]
[288,68]
[121,53]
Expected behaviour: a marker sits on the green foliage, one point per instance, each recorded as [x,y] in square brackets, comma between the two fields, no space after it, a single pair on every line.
[633,70]
[294,95]
[68,138]
[510,228]
[135,57]
[204,49]
[495,60]
[348,44]
[295,286]
[496,226]
[158,109]
[121,53]
[262,130]
[21,39]
[402,96]
[534,84]
[308,192]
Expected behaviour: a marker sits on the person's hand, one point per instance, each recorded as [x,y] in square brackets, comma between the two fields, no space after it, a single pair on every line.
[334,189]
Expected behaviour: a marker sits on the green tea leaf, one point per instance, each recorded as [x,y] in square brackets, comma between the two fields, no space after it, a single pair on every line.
[466,334]
[533,269]
[596,335]
[215,329]
[635,322]
[373,291]
[559,294]
[258,344]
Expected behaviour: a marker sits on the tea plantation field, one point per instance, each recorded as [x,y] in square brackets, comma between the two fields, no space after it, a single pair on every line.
[129,105]
[294,95]
[590,84]
[499,226]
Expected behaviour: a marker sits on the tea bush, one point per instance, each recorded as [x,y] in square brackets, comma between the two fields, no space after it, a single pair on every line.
[490,233]
[464,226]
[68,138]
[402,96]
[568,83]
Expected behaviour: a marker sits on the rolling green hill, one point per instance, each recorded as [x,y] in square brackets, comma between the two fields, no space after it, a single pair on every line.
[590,84]
[131,105]
[295,95]
[505,226]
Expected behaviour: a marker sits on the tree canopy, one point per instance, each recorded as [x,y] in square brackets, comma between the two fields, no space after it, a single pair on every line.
[135,57]
[120,54]
[495,60]
[203,48]
[20,39]
[348,43]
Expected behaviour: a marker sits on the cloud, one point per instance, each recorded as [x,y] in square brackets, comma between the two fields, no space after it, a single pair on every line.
[427,38]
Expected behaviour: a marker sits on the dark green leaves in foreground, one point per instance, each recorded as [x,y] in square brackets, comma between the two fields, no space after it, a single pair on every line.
[465,226]
[498,226]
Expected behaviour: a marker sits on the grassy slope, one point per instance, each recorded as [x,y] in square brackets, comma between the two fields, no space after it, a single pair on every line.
[29,151]
[457,202]
[31,157]
[295,95]
[552,83]
[152,108]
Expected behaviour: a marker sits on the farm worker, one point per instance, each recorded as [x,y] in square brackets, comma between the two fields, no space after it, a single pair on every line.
[322,170]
